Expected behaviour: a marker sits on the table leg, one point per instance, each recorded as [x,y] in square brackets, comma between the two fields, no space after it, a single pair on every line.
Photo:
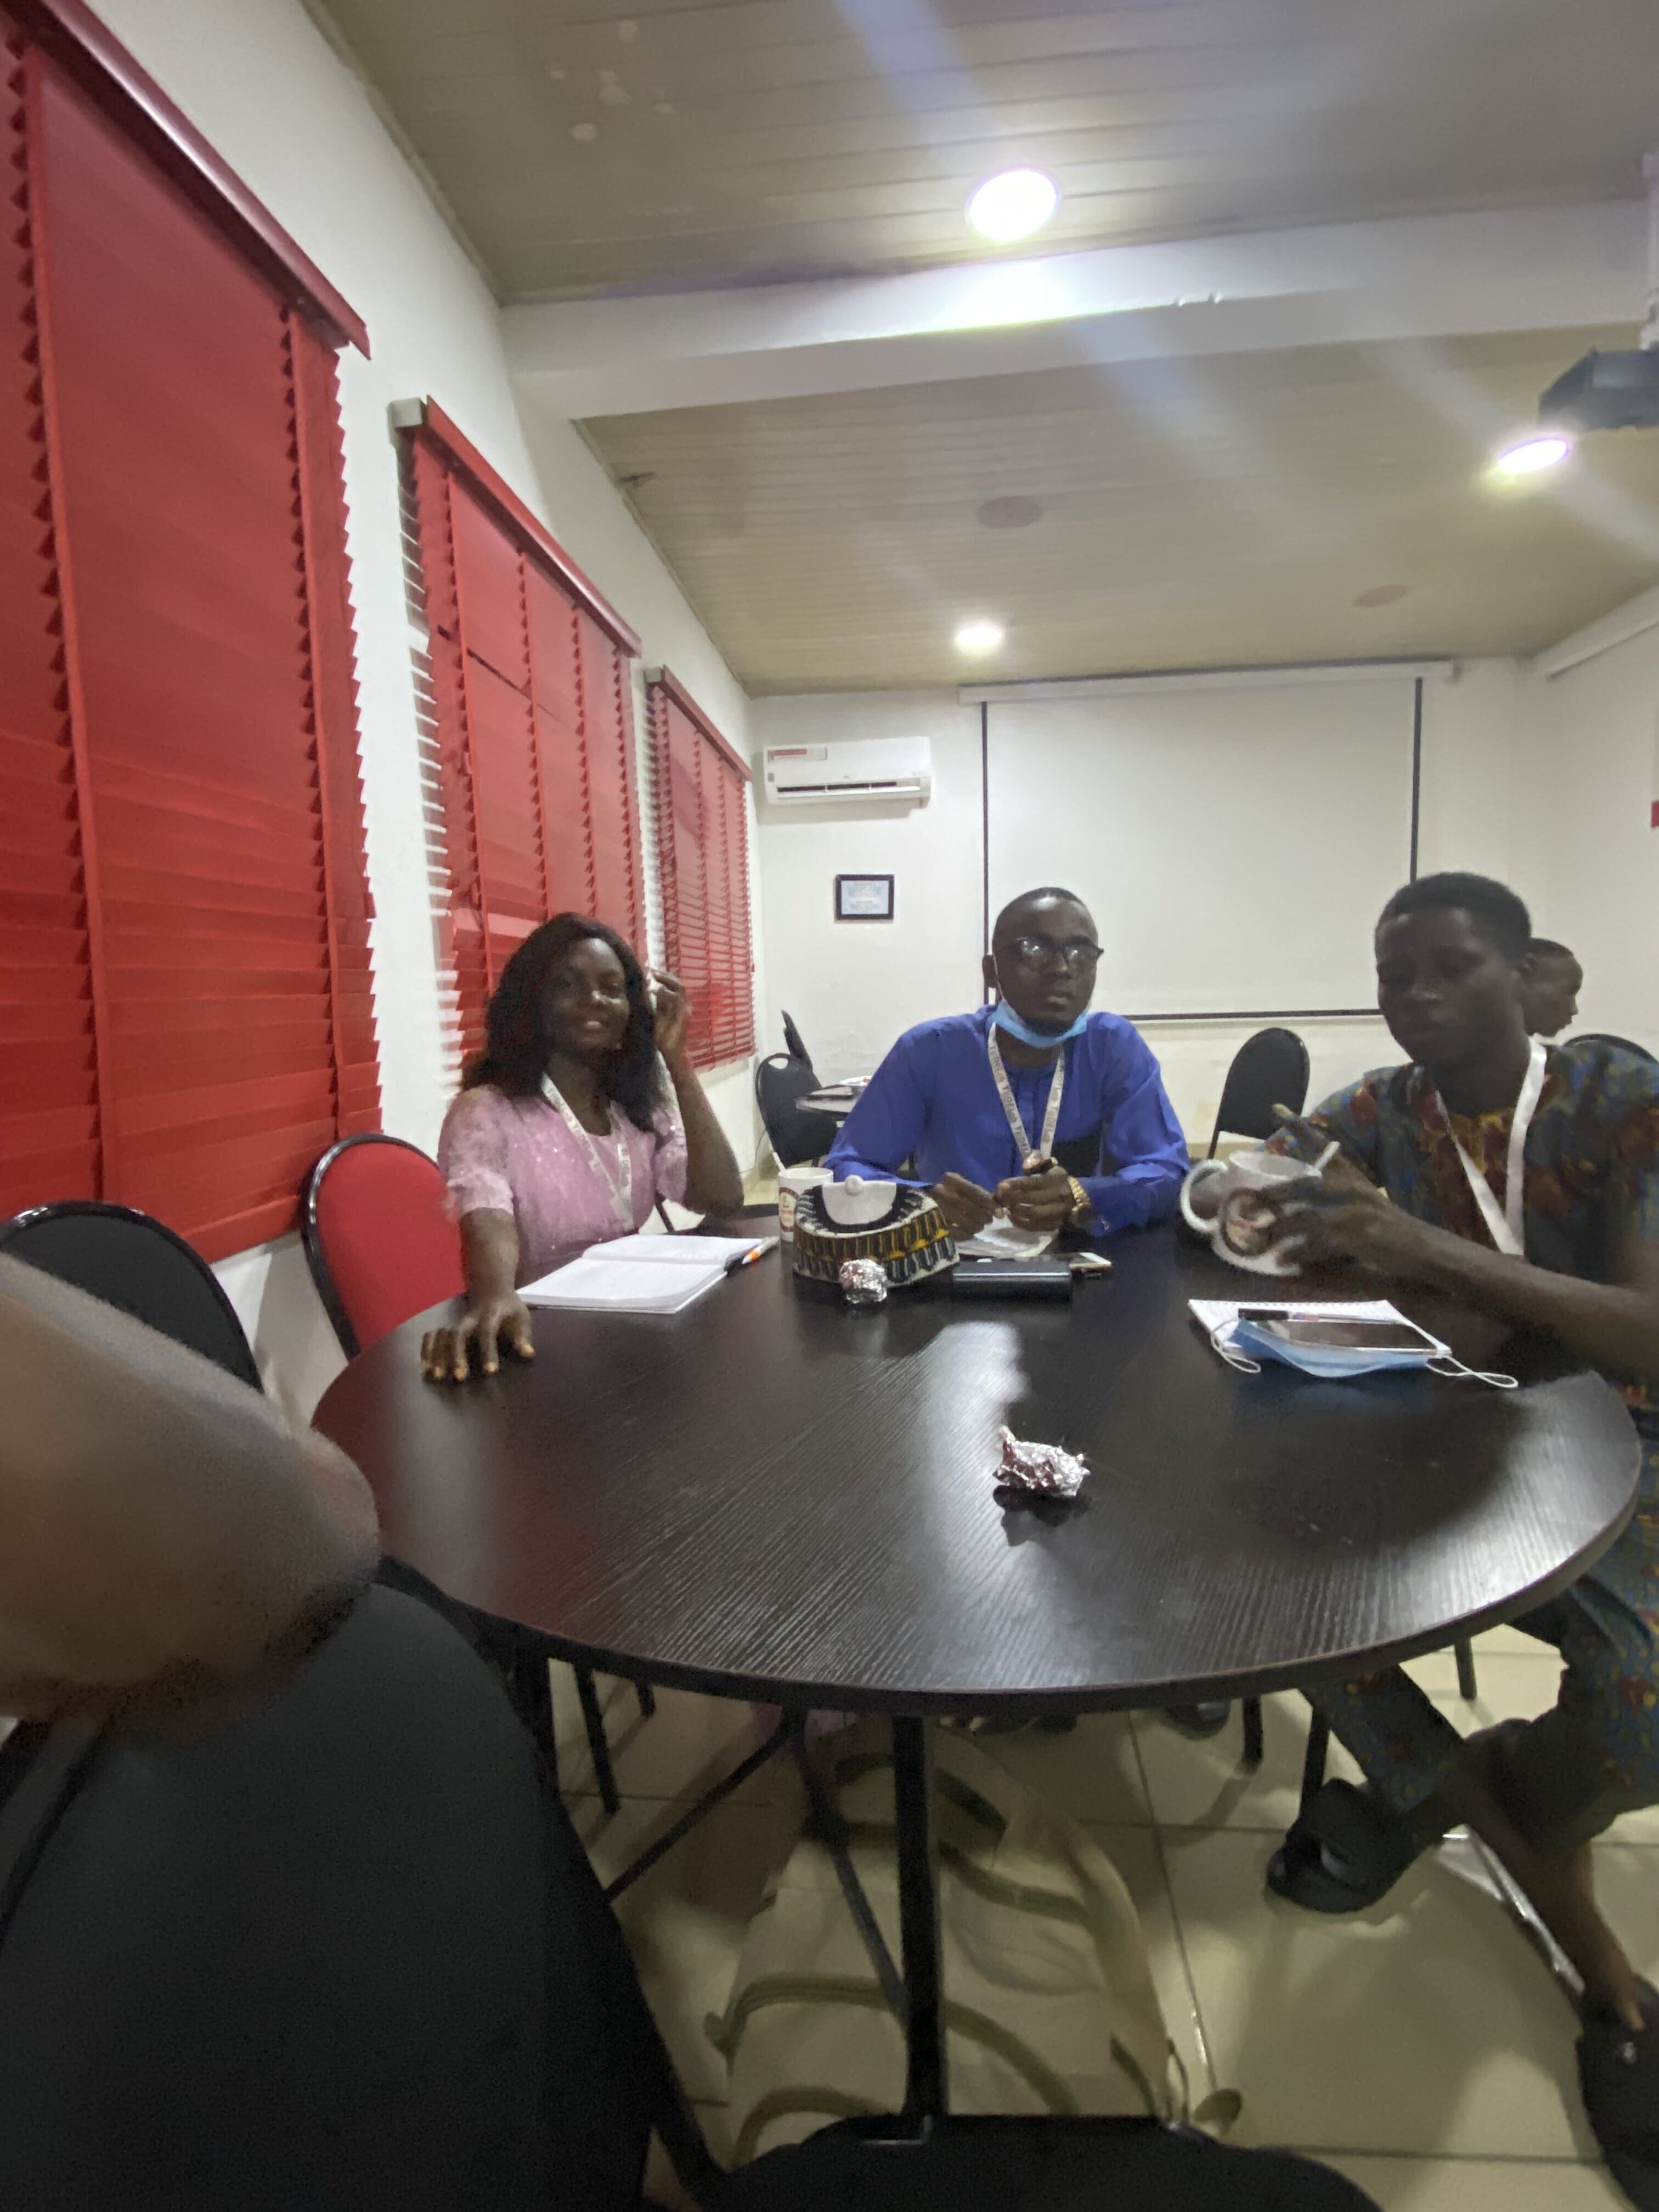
[925,2088]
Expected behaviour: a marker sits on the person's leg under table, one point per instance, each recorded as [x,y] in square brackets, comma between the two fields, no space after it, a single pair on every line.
[1535,1792]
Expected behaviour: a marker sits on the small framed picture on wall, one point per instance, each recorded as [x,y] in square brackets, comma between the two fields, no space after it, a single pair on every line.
[863,898]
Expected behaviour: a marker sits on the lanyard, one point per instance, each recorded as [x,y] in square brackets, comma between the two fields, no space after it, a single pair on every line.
[1507,1229]
[1028,1158]
[620,1186]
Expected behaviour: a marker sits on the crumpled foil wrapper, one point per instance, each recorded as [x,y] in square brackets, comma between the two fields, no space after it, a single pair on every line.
[1044,1470]
[863,1282]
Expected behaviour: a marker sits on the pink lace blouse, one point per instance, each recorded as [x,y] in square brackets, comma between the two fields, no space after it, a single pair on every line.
[516,1156]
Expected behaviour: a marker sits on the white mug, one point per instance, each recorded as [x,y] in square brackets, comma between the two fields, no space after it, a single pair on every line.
[791,1182]
[1237,1230]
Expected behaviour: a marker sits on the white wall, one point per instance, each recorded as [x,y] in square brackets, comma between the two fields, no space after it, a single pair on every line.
[852,987]
[256,78]
[1587,859]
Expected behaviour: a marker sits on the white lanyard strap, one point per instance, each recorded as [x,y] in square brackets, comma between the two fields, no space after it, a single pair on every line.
[1045,1149]
[618,1181]
[1508,1227]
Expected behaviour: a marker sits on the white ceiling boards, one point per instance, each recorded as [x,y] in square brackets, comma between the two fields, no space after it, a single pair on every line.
[1235,847]
[1312,264]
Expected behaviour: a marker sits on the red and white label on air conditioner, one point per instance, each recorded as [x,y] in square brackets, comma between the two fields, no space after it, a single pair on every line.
[798,752]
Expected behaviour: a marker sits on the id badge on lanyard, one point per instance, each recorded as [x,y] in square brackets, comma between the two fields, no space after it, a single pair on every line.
[619,1182]
[1028,1155]
[1506,1225]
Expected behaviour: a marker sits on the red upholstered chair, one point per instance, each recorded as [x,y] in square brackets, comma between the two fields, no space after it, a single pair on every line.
[381,1237]
[383,1243]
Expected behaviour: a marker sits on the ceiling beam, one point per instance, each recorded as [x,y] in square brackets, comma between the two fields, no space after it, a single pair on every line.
[1417,276]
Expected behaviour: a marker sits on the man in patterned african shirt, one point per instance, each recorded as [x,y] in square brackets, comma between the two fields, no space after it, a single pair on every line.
[1452,963]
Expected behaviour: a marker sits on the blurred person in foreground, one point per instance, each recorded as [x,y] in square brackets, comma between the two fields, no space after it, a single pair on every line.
[168,1552]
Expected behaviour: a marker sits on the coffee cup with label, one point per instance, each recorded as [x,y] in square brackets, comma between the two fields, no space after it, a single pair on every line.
[1224,1201]
[791,1181]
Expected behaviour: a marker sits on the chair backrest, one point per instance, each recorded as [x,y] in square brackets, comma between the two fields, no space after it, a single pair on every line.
[1623,1044]
[792,1043]
[131,1261]
[349,1951]
[794,1134]
[346,1951]
[1269,1069]
[381,1237]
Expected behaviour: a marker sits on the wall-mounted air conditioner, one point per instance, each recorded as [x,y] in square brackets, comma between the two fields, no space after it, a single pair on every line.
[857,767]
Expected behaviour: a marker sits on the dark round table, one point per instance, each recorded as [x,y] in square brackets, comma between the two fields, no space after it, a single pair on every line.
[773,1495]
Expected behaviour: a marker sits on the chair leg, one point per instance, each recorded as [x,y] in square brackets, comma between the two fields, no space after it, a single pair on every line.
[648,1698]
[1313,1763]
[1466,1687]
[1253,1746]
[532,1694]
[594,1718]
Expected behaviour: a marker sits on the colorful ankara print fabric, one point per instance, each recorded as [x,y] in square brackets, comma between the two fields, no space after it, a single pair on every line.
[1592,1155]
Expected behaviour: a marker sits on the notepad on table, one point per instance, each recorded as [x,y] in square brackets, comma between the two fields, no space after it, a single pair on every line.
[642,1274]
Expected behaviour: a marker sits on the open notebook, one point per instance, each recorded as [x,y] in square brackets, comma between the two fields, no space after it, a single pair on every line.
[642,1274]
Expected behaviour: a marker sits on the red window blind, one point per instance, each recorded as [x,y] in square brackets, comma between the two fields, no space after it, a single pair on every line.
[702,825]
[185,993]
[532,690]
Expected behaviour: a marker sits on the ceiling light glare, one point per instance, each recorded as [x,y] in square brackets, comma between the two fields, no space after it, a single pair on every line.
[1546,450]
[1012,205]
[979,637]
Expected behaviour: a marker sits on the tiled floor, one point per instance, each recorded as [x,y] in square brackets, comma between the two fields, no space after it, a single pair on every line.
[1421,2047]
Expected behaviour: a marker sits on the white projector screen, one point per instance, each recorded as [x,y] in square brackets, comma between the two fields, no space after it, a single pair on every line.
[1234,846]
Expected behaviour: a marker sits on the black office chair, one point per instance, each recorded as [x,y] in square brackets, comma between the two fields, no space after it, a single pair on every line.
[792,1043]
[1269,1069]
[350,1952]
[795,1133]
[1623,1044]
[131,1261]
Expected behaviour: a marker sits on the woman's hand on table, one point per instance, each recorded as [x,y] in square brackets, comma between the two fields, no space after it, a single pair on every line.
[486,1330]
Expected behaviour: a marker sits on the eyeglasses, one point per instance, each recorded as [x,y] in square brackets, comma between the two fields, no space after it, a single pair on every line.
[1043,951]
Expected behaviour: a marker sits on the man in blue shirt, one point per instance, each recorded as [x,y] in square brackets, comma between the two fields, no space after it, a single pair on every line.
[1112,1157]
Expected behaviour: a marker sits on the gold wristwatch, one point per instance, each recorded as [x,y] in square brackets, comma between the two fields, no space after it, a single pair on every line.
[1082,1203]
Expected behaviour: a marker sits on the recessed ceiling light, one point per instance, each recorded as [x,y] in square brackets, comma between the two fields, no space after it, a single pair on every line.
[1015,510]
[1012,205]
[1381,595]
[1544,450]
[977,637]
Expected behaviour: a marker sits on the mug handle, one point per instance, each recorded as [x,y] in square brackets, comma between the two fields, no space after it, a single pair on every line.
[1194,1177]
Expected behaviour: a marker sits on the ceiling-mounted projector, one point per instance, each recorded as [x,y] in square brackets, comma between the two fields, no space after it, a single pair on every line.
[1605,391]
[1616,391]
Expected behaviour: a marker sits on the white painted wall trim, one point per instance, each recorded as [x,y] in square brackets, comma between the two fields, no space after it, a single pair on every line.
[1376,282]
[1206,679]
[1632,620]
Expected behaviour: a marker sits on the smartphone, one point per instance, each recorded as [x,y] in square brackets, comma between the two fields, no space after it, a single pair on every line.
[1337,1335]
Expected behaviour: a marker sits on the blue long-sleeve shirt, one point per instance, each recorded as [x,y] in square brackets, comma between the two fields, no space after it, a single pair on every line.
[934,1096]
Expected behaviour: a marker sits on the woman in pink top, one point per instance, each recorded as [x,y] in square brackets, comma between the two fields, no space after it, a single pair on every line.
[565,1133]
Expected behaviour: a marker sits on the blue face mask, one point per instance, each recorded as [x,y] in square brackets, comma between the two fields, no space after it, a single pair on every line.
[1331,1362]
[1246,1346]
[1004,1018]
